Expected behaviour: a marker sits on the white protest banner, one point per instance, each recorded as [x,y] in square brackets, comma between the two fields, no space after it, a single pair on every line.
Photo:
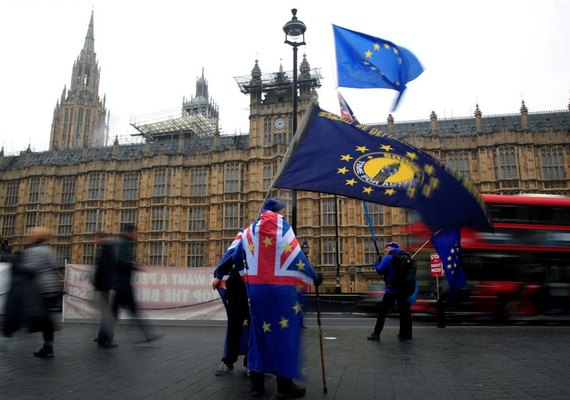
[161,293]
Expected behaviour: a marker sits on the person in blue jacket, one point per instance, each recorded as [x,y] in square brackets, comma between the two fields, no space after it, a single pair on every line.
[391,296]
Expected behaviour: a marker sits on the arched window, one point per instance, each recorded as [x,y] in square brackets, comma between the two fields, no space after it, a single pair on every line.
[459,162]
[552,163]
[505,161]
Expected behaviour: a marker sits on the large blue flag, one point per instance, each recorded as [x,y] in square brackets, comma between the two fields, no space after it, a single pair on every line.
[365,61]
[447,243]
[332,155]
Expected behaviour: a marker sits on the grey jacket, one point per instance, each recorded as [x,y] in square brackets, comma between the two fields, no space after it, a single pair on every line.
[39,261]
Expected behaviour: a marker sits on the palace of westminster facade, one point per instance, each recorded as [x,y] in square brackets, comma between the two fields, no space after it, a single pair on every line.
[189,189]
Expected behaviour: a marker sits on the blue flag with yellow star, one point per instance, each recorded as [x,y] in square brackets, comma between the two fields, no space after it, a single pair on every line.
[447,243]
[332,155]
[365,61]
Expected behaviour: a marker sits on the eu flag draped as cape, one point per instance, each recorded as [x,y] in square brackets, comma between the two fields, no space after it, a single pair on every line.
[332,155]
[276,270]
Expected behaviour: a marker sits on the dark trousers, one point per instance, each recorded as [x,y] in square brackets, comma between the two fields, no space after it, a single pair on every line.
[386,305]
[258,381]
[49,324]
[237,314]
[105,334]
[124,298]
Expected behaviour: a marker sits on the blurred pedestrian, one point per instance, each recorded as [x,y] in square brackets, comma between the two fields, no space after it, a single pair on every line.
[124,295]
[387,267]
[13,311]
[42,288]
[103,282]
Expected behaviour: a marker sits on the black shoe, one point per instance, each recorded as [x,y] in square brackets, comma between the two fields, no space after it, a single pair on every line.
[107,345]
[257,391]
[374,338]
[292,391]
[44,352]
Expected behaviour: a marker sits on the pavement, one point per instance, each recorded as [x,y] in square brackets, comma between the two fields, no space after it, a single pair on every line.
[456,362]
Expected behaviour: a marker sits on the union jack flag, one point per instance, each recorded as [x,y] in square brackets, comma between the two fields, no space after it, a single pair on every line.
[276,272]
[345,110]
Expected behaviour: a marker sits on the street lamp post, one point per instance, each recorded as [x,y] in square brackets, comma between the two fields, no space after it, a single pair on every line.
[294,36]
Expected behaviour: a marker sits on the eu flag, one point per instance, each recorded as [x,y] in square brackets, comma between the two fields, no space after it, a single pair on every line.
[365,61]
[447,243]
[332,155]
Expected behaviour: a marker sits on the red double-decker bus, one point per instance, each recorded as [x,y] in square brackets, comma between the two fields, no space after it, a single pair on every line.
[522,267]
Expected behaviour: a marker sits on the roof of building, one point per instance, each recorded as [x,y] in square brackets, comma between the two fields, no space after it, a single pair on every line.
[190,146]
[465,126]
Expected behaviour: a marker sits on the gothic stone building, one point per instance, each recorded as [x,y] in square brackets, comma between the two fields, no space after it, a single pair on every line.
[189,188]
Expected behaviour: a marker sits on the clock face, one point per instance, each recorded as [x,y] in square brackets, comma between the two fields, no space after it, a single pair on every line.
[279,123]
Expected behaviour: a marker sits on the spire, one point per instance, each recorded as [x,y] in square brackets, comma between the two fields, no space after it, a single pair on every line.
[478,119]
[256,73]
[305,68]
[524,116]
[202,86]
[90,37]
[477,111]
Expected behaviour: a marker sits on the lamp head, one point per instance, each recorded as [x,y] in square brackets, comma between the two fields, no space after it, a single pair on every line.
[294,28]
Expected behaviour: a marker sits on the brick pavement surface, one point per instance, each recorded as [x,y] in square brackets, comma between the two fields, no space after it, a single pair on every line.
[457,362]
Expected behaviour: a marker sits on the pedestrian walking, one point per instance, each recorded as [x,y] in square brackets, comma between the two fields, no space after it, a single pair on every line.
[124,295]
[103,282]
[42,288]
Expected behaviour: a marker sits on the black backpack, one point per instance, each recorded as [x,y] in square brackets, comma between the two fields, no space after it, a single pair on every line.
[404,276]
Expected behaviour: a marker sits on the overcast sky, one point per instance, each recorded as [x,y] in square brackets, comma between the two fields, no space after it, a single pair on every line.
[494,53]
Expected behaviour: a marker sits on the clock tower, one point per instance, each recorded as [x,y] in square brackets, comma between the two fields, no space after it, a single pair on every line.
[271,105]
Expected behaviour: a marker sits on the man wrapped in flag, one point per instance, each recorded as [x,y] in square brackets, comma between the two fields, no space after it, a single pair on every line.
[276,271]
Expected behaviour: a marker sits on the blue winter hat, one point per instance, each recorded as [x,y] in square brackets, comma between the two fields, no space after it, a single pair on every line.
[273,205]
[393,244]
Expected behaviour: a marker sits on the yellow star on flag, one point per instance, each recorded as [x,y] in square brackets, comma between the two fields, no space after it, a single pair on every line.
[368,54]
[245,322]
[386,147]
[266,327]
[368,190]
[411,156]
[297,307]
[284,323]
[411,192]
[251,247]
[362,149]
[429,169]
[267,241]
[300,265]
[286,248]
[376,46]
[350,182]
[390,192]
[342,170]
[395,50]
[386,46]
[346,157]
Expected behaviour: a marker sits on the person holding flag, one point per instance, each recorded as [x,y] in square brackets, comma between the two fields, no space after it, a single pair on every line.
[275,271]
